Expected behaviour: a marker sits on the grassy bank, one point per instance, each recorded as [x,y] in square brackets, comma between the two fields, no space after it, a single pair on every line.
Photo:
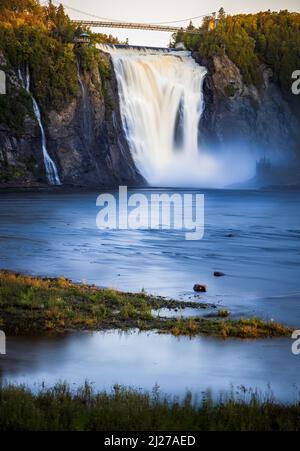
[122,409]
[34,305]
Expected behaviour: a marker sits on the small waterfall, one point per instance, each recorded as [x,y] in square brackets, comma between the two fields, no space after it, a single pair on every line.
[86,116]
[87,122]
[161,102]
[82,87]
[50,167]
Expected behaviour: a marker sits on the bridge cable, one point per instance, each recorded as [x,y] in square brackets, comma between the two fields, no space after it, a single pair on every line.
[122,21]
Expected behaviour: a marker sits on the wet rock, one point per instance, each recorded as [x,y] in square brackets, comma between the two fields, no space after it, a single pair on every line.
[219,274]
[199,288]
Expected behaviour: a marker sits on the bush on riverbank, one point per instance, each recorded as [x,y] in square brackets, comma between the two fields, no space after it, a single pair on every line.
[60,409]
[34,305]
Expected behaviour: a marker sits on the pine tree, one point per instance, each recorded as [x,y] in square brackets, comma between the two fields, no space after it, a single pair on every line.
[191,26]
[221,14]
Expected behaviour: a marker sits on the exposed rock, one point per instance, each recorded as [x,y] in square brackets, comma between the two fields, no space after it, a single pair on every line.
[89,140]
[198,288]
[219,274]
[263,122]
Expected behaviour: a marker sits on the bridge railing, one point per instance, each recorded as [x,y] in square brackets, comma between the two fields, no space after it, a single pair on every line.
[133,26]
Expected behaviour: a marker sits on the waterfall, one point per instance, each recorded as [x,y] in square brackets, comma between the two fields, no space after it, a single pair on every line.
[161,102]
[86,116]
[87,120]
[50,167]
[82,88]
[85,110]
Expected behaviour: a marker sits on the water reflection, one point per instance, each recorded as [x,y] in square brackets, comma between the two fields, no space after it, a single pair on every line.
[142,360]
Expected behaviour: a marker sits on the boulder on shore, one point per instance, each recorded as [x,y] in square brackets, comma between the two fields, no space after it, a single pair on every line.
[198,288]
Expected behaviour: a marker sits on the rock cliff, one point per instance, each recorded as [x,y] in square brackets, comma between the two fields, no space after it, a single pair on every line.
[85,139]
[87,142]
[264,121]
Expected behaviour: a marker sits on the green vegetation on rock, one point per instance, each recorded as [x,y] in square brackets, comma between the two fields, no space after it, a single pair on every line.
[90,60]
[14,107]
[250,40]
[44,39]
[9,172]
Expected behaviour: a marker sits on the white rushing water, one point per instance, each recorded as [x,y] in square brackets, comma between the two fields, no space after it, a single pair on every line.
[50,167]
[161,103]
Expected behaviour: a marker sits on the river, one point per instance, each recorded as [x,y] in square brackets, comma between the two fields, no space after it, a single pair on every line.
[252,236]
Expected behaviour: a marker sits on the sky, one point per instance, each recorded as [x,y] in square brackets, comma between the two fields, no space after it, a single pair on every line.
[151,11]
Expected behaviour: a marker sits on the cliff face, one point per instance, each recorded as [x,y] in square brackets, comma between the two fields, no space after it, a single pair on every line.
[263,121]
[85,140]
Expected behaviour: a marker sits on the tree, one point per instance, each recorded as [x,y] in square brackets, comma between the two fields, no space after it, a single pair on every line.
[206,21]
[18,5]
[221,14]
[191,26]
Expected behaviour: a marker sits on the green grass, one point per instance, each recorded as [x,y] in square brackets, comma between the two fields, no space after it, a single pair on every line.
[34,305]
[223,313]
[60,409]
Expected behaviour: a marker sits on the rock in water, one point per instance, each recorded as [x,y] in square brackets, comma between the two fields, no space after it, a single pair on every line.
[219,274]
[200,288]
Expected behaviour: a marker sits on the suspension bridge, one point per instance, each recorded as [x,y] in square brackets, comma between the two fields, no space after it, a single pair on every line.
[129,25]
[168,27]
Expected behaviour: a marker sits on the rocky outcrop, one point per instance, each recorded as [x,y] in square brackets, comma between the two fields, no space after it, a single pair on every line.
[85,140]
[263,121]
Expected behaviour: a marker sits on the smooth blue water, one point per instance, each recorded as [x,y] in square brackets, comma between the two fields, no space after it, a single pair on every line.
[56,234]
[253,237]
[142,360]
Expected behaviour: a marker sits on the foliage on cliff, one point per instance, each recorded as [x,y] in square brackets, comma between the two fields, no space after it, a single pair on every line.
[272,38]
[41,37]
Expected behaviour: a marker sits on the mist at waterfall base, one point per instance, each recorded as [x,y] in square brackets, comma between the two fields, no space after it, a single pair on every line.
[162,102]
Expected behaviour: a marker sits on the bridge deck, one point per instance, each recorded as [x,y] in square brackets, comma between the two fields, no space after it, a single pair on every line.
[132,26]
